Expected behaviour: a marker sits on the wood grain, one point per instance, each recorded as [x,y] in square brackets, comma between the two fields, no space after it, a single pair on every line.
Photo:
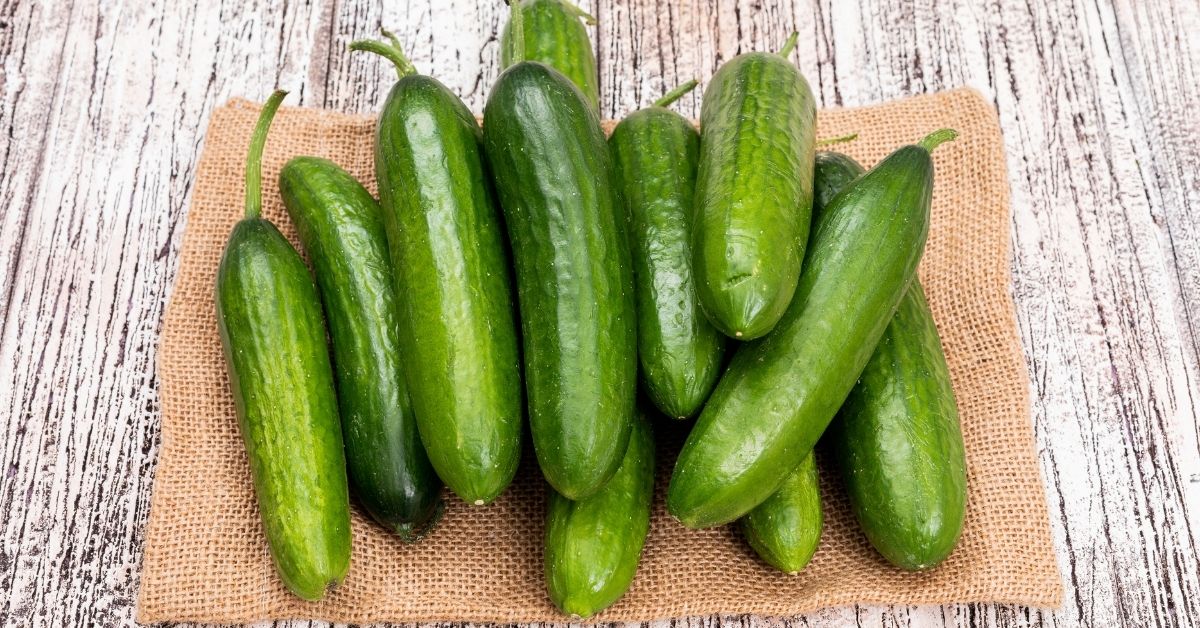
[103,106]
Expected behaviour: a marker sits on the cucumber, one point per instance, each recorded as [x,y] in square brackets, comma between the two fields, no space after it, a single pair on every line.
[785,530]
[269,317]
[550,32]
[593,545]
[451,270]
[554,178]
[655,152]
[753,191]
[897,438]
[779,394]
[342,231]
[899,445]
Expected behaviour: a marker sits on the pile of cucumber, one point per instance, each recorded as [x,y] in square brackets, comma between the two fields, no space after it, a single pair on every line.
[533,268]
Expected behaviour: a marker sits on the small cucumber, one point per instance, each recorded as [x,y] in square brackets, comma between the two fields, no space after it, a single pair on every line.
[655,151]
[593,545]
[550,32]
[564,217]
[342,231]
[451,269]
[753,191]
[785,530]
[779,394]
[269,317]
[897,438]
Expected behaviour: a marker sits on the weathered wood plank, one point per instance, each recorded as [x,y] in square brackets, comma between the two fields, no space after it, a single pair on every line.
[103,106]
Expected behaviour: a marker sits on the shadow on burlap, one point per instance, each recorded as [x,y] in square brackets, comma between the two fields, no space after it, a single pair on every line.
[206,558]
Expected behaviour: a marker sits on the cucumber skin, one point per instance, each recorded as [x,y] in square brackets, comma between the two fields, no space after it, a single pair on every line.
[269,317]
[593,545]
[785,530]
[341,229]
[451,269]
[779,394]
[655,152]
[897,438]
[753,192]
[899,444]
[832,172]
[574,284]
[555,36]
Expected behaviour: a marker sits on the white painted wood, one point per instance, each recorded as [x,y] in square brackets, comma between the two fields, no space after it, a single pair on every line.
[102,111]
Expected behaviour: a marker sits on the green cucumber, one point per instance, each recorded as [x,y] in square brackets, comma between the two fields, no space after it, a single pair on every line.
[342,231]
[593,545]
[779,394]
[564,217]
[753,191]
[655,152]
[550,32]
[273,335]
[785,530]
[897,438]
[451,270]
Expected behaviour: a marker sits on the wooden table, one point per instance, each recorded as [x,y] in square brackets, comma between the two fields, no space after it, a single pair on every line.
[103,105]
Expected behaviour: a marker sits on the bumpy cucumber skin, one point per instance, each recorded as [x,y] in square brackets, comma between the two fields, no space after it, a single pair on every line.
[753,192]
[897,438]
[593,545]
[785,530]
[655,151]
[779,394]
[832,172]
[342,231]
[450,264]
[574,284]
[555,35]
[269,316]
[899,443]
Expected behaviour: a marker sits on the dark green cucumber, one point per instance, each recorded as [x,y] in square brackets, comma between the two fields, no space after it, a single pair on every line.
[593,545]
[899,445]
[269,317]
[753,191]
[779,394]
[342,231]
[655,152]
[897,438]
[554,177]
[451,270]
[831,173]
[550,32]
[785,530]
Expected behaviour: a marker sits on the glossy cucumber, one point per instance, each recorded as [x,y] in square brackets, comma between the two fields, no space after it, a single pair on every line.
[655,151]
[269,317]
[574,285]
[779,394]
[593,545]
[342,231]
[451,267]
[753,191]
[553,33]
[785,530]
[897,438]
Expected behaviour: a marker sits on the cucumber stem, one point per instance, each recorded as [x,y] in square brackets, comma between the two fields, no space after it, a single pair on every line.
[580,13]
[789,45]
[516,22]
[841,139]
[937,138]
[392,52]
[675,94]
[254,157]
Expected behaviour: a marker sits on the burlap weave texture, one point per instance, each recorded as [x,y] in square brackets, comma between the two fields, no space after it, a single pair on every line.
[206,557]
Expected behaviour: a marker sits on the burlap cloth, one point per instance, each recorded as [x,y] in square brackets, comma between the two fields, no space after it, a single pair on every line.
[206,558]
